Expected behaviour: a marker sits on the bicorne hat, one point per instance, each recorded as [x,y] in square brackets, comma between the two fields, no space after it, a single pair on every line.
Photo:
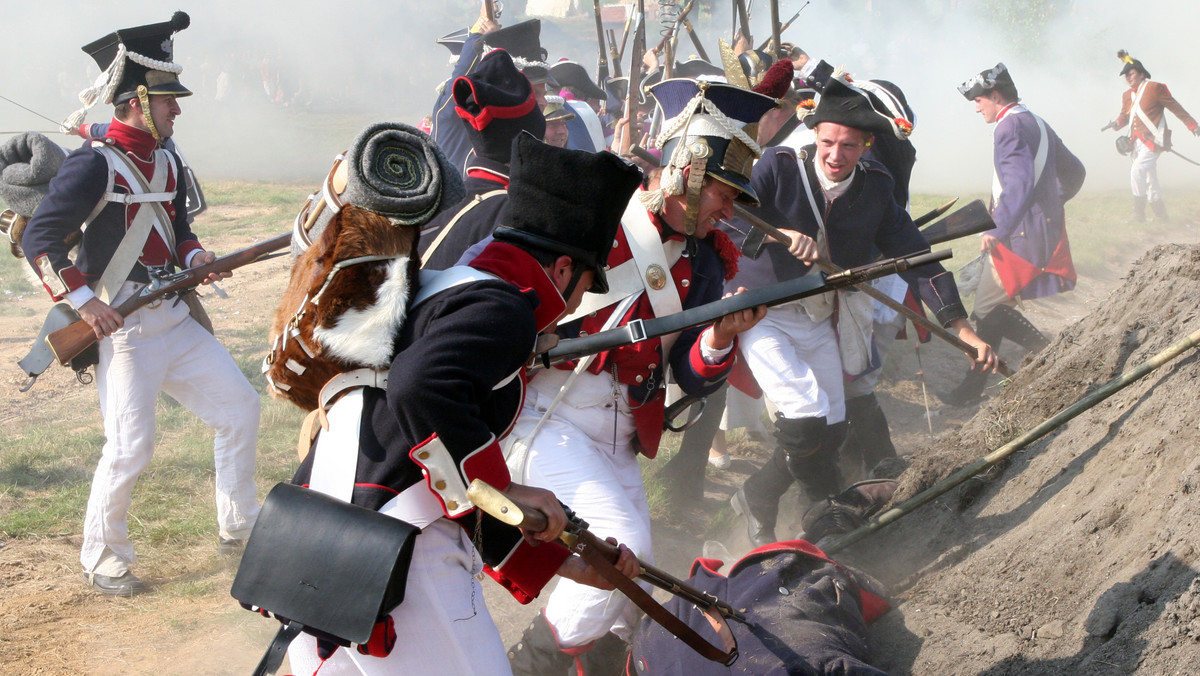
[567,202]
[1130,63]
[690,127]
[988,80]
[524,43]
[496,102]
[454,41]
[697,68]
[570,74]
[847,104]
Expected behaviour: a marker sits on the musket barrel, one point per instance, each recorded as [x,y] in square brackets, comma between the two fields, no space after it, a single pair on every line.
[72,339]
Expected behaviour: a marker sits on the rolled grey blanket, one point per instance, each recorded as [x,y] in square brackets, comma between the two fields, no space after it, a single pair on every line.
[397,171]
[27,163]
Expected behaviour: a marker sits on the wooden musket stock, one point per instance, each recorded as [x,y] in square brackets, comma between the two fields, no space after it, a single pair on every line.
[69,341]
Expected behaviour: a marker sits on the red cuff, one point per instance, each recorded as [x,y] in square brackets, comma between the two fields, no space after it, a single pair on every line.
[710,371]
[185,249]
[488,464]
[528,569]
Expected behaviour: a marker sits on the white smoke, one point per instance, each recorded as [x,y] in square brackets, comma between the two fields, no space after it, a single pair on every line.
[302,78]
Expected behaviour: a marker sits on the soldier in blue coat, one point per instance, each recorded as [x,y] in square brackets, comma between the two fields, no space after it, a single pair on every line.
[1027,256]
[522,41]
[838,207]
[806,614]
[492,105]
[128,190]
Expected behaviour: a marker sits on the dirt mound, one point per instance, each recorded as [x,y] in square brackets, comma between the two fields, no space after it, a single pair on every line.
[1080,555]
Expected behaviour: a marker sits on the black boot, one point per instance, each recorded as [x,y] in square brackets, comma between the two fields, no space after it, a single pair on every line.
[812,453]
[606,658]
[1160,211]
[970,391]
[758,499]
[1139,209]
[1014,326]
[868,440]
[537,653]
[683,475]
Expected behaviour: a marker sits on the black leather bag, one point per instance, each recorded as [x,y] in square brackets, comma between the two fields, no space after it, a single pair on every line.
[323,566]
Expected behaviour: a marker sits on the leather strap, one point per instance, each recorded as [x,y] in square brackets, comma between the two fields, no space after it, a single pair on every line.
[728,651]
[273,658]
[437,241]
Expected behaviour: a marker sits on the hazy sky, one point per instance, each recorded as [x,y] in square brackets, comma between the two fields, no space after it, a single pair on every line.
[341,66]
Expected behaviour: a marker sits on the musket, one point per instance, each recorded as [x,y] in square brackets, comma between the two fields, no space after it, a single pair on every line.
[602,63]
[934,213]
[671,35]
[635,80]
[744,18]
[613,55]
[775,294]
[601,554]
[783,28]
[72,339]
[970,219]
[489,10]
[775,27]
[625,36]
[687,25]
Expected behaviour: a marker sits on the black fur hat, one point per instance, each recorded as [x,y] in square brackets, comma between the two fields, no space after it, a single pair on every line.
[496,103]
[567,202]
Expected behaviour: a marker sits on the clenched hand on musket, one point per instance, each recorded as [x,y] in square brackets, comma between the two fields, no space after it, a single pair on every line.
[725,329]
[105,320]
[985,358]
[573,568]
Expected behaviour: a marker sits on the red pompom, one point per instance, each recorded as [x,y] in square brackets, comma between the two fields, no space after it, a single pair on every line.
[777,80]
[728,252]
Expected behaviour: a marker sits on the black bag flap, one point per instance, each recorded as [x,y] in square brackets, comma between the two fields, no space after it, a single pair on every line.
[327,564]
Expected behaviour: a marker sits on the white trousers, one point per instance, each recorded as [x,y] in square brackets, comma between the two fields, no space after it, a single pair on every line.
[584,455]
[796,363]
[1143,174]
[442,626]
[164,349]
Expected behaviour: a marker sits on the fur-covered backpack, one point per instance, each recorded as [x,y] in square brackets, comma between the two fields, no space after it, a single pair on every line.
[356,267]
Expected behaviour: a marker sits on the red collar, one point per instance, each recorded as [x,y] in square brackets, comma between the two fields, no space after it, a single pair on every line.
[665,231]
[132,140]
[515,266]
[488,175]
[1005,110]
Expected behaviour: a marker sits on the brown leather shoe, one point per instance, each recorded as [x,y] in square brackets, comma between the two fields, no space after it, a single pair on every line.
[127,584]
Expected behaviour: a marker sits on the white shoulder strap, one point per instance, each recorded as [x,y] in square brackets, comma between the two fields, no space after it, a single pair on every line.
[1136,104]
[631,277]
[1039,158]
[130,248]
